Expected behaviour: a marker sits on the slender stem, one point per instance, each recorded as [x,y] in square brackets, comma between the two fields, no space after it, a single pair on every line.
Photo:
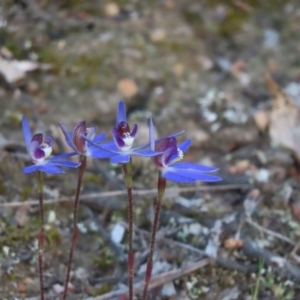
[161,186]
[127,169]
[81,170]
[41,233]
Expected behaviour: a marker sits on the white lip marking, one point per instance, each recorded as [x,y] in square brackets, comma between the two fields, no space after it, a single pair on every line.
[180,153]
[47,151]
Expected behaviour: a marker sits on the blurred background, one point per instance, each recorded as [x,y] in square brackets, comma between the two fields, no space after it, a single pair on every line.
[226,72]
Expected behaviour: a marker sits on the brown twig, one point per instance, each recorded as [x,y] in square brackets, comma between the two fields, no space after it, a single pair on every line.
[158,280]
[169,192]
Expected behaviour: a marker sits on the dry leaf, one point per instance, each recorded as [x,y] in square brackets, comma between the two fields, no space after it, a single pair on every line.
[22,215]
[212,246]
[168,290]
[240,167]
[14,70]
[6,53]
[178,69]
[58,288]
[169,4]
[158,35]
[251,202]
[279,261]
[111,9]
[22,287]
[284,127]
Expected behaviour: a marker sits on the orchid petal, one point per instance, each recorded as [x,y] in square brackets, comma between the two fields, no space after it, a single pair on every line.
[66,163]
[193,174]
[118,141]
[91,131]
[78,132]
[110,146]
[68,136]
[30,169]
[151,134]
[35,151]
[99,138]
[95,152]
[38,137]
[71,135]
[175,134]
[190,165]
[134,130]
[141,147]
[121,114]
[102,146]
[185,145]
[26,133]
[50,169]
[120,159]
[177,178]
[146,153]
[169,155]
[49,141]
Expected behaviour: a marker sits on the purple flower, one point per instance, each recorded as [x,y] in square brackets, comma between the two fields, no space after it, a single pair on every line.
[77,140]
[169,161]
[120,149]
[40,149]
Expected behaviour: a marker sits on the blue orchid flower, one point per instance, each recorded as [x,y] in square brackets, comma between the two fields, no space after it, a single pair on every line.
[168,162]
[40,149]
[76,140]
[120,149]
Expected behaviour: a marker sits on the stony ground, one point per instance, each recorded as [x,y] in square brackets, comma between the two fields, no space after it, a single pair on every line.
[200,66]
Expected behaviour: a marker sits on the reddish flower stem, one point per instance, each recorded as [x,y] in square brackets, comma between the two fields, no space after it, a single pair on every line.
[127,169]
[161,186]
[81,170]
[41,236]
